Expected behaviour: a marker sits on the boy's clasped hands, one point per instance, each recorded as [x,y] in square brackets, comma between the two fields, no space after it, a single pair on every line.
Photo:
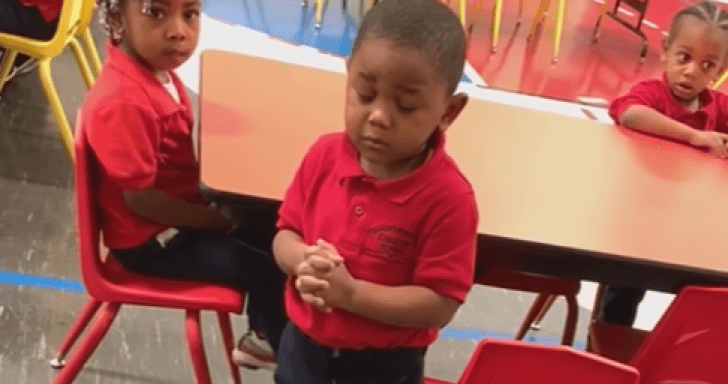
[322,278]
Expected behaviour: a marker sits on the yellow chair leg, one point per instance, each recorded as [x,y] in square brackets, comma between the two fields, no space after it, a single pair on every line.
[319,13]
[46,80]
[520,11]
[6,66]
[543,6]
[81,61]
[365,6]
[721,80]
[88,40]
[558,29]
[497,11]
[598,26]
[462,12]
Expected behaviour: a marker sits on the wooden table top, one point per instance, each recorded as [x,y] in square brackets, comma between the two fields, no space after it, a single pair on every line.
[556,195]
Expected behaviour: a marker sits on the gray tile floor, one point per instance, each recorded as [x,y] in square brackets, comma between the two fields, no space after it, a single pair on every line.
[145,345]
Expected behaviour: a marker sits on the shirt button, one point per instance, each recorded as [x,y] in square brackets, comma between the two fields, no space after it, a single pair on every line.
[358,210]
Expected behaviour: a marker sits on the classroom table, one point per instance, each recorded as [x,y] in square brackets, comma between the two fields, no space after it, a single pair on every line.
[556,195]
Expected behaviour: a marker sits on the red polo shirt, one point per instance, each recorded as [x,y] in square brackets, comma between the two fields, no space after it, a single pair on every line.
[656,94]
[49,9]
[141,138]
[419,229]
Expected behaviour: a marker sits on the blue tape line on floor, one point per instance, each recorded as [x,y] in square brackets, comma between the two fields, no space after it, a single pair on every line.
[480,334]
[36,281]
[65,285]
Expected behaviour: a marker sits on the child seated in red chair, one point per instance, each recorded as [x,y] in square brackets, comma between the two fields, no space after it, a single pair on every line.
[680,106]
[377,232]
[138,121]
[37,19]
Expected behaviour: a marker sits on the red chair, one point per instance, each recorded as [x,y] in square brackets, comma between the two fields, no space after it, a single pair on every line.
[688,344]
[548,289]
[514,362]
[109,286]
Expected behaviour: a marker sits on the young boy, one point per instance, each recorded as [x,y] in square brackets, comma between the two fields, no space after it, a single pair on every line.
[680,106]
[377,231]
[138,122]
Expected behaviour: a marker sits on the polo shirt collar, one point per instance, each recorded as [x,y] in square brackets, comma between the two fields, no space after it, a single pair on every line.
[398,190]
[136,72]
[705,97]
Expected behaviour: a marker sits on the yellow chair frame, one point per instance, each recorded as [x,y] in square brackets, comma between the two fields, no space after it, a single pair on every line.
[558,25]
[497,15]
[543,7]
[365,5]
[73,23]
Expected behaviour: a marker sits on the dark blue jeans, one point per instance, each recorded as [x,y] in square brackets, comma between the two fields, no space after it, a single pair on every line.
[303,361]
[619,305]
[24,21]
[217,257]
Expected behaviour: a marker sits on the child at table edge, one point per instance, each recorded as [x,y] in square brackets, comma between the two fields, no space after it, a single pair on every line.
[680,106]
[378,227]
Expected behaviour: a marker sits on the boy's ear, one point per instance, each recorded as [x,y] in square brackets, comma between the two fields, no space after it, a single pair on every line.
[663,49]
[456,105]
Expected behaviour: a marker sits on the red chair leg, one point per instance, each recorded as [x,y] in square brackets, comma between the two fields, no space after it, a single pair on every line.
[533,312]
[193,331]
[226,329]
[572,313]
[79,324]
[88,344]
[596,313]
[545,309]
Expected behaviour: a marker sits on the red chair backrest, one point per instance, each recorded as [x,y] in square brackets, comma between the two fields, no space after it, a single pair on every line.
[87,214]
[690,342]
[515,362]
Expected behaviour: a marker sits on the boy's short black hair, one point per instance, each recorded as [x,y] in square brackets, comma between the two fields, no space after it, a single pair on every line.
[426,25]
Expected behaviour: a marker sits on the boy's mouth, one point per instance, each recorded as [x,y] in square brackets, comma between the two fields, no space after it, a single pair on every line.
[373,142]
[175,52]
[683,87]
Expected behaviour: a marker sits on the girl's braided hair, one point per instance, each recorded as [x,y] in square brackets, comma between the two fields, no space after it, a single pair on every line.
[108,10]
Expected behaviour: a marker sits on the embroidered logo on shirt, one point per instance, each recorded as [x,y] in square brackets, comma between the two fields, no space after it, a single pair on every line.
[390,243]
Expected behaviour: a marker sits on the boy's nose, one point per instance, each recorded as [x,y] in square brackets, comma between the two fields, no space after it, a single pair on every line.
[379,117]
[691,69]
[177,29]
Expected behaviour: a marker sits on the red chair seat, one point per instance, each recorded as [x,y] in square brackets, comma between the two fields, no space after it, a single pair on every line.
[514,362]
[436,381]
[122,286]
